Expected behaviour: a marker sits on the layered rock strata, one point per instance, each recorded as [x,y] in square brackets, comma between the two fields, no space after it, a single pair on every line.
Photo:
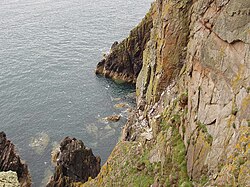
[192,122]
[11,161]
[75,163]
[124,61]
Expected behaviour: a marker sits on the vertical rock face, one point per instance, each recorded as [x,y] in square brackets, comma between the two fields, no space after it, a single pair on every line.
[75,163]
[165,53]
[195,81]
[10,160]
[218,83]
[125,59]
[215,77]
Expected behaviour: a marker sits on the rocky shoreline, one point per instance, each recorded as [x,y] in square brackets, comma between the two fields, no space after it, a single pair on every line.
[75,163]
[190,61]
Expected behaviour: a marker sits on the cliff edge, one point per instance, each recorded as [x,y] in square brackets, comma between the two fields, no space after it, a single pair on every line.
[192,122]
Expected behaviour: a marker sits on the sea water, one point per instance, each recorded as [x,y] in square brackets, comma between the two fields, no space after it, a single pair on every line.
[48,89]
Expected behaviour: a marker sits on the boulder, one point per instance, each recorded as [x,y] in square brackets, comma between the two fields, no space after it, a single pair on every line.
[75,163]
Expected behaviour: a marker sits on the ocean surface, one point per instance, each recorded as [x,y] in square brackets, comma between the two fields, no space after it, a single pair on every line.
[48,90]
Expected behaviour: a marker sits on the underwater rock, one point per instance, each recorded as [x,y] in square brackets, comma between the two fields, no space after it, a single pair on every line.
[107,134]
[107,127]
[47,174]
[91,129]
[39,142]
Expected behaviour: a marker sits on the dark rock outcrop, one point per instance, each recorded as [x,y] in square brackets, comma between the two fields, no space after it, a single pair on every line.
[10,160]
[125,59]
[75,163]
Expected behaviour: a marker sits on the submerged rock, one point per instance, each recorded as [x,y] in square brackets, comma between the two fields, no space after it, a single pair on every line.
[10,160]
[46,177]
[75,163]
[39,142]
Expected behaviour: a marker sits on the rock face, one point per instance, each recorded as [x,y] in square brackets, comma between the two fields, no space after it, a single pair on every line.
[9,179]
[192,122]
[10,160]
[125,59]
[75,163]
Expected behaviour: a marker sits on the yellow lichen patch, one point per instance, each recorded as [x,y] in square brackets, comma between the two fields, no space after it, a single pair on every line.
[245,108]
[237,171]
[238,79]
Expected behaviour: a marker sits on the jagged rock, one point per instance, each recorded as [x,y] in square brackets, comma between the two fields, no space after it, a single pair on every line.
[10,160]
[113,118]
[125,59]
[9,179]
[75,163]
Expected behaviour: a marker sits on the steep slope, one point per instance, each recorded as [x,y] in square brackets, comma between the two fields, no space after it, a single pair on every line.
[191,124]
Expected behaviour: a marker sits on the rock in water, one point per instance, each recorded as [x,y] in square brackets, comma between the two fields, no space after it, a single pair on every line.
[75,163]
[10,160]
[113,118]
[124,61]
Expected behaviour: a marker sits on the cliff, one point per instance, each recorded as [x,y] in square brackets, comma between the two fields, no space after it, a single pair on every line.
[191,124]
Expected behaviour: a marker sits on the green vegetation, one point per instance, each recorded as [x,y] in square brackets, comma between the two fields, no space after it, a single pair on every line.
[202,127]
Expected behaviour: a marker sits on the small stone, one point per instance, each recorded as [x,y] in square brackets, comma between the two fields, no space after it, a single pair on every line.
[121,105]
[113,118]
